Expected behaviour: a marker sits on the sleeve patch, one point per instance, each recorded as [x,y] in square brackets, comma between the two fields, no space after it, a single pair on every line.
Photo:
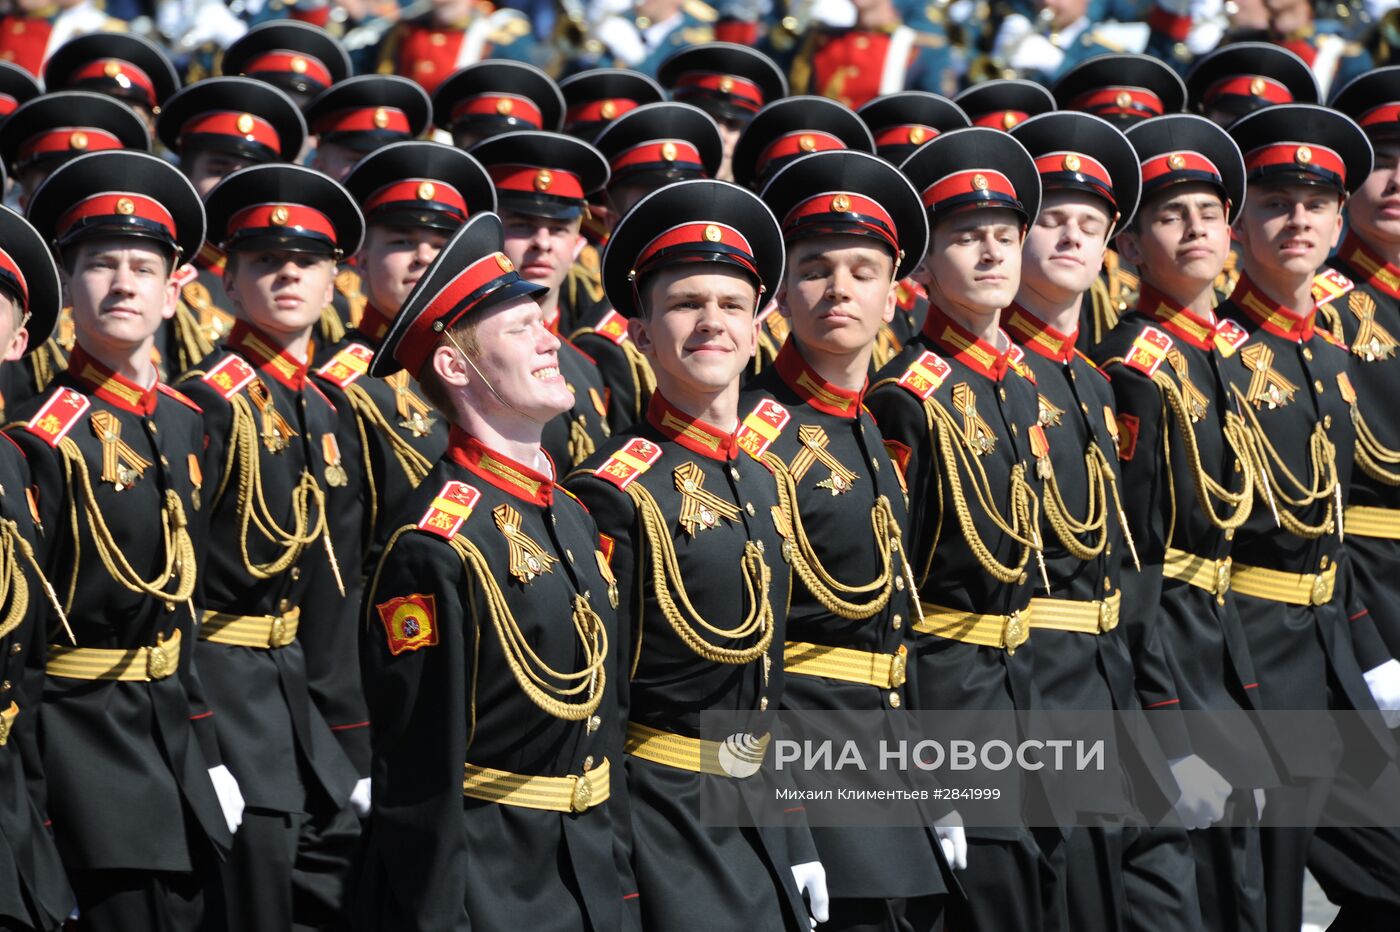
[347,365]
[56,418]
[410,622]
[230,376]
[924,375]
[613,326]
[1148,351]
[451,508]
[763,425]
[1127,436]
[628,463]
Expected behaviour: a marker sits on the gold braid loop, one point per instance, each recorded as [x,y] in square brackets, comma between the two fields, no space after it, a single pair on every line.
[683,617]
[1273,472]
[1208,490]
[414,464]
[1070,529]
[581,445]
[191,344]
[530,670]
[14,585]
[642,376]
[807,563]
[1374,457]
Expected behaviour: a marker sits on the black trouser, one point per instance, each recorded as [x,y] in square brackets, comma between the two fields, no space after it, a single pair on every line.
[1009,884]
[147,901]
[1230,869]
[289,870]
[912,914]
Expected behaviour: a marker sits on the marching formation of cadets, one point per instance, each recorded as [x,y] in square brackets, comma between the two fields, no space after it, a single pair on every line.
[396,466]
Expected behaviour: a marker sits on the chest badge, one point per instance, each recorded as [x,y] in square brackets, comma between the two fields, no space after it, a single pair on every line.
[527,558]
[1266,387]
[814,450]
[276,433]
[1050,413]
[121,465]
[700,510]
[414,413]
[1373,342]
[976,431]
[1196,401]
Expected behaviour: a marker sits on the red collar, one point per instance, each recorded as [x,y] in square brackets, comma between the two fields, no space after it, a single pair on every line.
[119,392]
[1379,273]
[812,388]
[1270,315]
[553,322]
[1180,322]
[252,345]
[1038,336]
[504,473]
[972,351]
[374,324]
[690,432]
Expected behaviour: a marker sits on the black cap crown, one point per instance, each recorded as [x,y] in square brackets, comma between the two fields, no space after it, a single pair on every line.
[1246,76]
[902,122]
[973,168]
[370,111]
[658,143]
[118,64]
[1003,103]
[296,57]
[594,98]
[1078,152]
[1373,101]
[1122,89]
[1184,148]
[421,184]
[542,174]
[29,276]
[498,96]
[54,128]
[285,207]
[791,128]
[16,87]
[1303,144]
[239,116]
[727,81]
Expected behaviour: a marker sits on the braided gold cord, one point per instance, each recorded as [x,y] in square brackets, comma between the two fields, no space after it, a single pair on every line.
[581,446]
[14,586]
[1208,490]
[1268,464]
[1069,529]
[1372,456]
[667,578]
[414,464]
[190,342]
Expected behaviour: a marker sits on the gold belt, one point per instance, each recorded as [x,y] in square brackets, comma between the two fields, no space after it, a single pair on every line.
[1095,617]
[721,759]
[574,793]
[1367,521]
[7,721]
[1202,572]
[261,631]
[847,664]
[134,665]
[1289,588]
[1007,632]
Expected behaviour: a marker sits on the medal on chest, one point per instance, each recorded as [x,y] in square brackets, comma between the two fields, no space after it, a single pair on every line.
[527,558]
[700,510]
[814,450]
[276,433]
[121,465]
[976,431]
[1266,386]
[1196,401]
[1373,342]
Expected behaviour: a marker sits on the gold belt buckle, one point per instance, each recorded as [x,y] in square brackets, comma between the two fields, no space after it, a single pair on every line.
[1108,618]
[278,636]
[157,662]
[1319,594]
[582,795]
[1015,633]
[899,666]
[1222,578]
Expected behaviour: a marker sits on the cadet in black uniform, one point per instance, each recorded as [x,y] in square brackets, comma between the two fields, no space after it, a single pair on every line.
[217,127]
[1004,102]
[958,412]
[34,893]
[596,97]
[468,667]
[142,811]
[494,97]
[542,184]
[1314,643]
[131,68]
[853,227]
[1242,77]
[1111,867]
[295,57]
[272,453]
[695,534]
[647,148]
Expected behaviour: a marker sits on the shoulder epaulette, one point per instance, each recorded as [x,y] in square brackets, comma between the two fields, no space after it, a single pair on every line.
[763,425]
[924,375]
[56,418]
[347,365]
[185,400]
[1229,337]
[1329,284]
[1018,364]
[451,508]
[613,326]
[230,376]
[635,458]
[185,274]
[1148,351]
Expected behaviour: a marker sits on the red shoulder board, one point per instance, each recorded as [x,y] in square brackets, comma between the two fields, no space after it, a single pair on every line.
[1148,351]
[1329,284]
[1229,337]
[1018,364]
[230,376]
[347,365]
[613,326]
[924,375]
[410,621]
[629,462]
[450,509]
[56,418]
[763,425]
[185,400]
[185,274]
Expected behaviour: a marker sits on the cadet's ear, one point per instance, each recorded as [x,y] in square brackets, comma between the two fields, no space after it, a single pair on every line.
[638,331]
[451,367]
[1128,247]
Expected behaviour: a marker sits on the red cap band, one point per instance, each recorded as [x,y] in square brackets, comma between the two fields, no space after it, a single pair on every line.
[122,73]
[1119,101]
[598,111]
[1385,114]
[365,120]
[854,213]
[1248,85]
[1159,168]
[294,63]
[235,124]
[68,140]
[443,311]
[281,219]
[498,105]
[905,134]
[1313,159]
[658,154]
[741,92]
[531,179]
[803,142]
[1001,119]
[420,194]
[8,105]
[983,185]
[1094,174]
[9,269]
[716,239]
[117,204]
[1173,25]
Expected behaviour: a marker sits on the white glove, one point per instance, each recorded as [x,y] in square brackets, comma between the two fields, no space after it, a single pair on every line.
[622,39]
[951,836]
[1037,53]
[838,14]
[230,796]
[811,879]
[1384,683]
[359,797]
[1203,792]
[1260,798]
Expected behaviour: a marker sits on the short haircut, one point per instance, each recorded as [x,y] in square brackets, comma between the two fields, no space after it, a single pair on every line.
[435,391]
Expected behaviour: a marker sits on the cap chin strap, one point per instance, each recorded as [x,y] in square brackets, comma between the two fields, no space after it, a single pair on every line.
[487,382]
